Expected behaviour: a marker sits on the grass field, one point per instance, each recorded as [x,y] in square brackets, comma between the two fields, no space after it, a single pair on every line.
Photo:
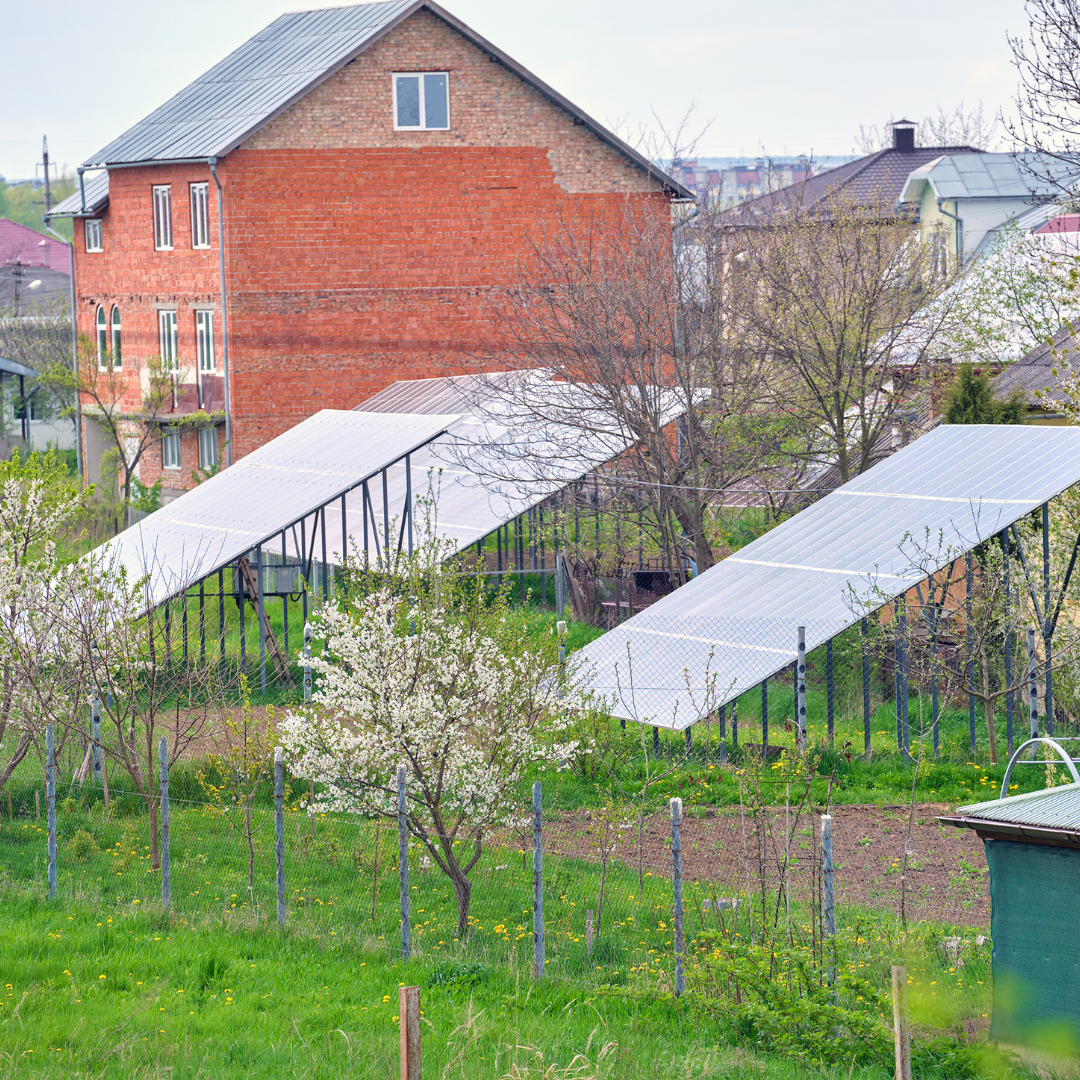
[114,991]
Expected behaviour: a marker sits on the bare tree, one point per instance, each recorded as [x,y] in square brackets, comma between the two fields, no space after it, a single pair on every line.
[128,403]
[962,127]
[1048,97]
[143,688]
[846,301]
[644,376]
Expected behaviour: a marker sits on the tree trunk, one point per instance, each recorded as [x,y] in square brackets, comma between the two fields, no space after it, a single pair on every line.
[462,893]
[251,853]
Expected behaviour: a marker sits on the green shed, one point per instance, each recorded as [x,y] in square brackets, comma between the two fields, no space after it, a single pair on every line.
[1032,846]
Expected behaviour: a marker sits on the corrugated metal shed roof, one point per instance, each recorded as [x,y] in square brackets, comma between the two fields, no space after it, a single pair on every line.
[724,632]
[252,501]
[1051,808]
[282,63]
[97,198]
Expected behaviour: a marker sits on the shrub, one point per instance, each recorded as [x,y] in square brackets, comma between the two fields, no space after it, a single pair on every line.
[82,845]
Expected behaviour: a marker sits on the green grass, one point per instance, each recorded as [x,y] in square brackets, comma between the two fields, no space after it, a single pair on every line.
[111,991]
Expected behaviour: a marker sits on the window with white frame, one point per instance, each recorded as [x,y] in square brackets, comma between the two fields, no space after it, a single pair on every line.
[204,340]
[102,337]
[421,101]
[167,340]
[170,450]
[92,232]
[116,337]
[163,217]
[200,216]
[207,448]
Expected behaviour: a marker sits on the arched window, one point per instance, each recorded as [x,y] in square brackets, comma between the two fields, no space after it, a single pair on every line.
[116,337]
[102,339]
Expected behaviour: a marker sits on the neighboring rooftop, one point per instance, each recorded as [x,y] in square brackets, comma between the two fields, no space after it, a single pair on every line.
[1040,375]
[20,243]
[278,66]
[880,176]
[35,285]
[968,175]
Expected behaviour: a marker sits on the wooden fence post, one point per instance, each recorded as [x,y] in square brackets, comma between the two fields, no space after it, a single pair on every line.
[409,1025]
[901,1030]
[279,831]
[676,883]
[403,864]
[50,804]
[166,867]
[538,882]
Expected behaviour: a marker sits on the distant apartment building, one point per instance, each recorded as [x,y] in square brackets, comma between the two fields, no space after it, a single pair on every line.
[726,183]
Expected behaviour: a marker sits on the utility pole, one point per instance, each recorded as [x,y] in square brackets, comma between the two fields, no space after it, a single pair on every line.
[45,161]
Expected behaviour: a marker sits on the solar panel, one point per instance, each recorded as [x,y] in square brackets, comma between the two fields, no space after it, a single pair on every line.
[725,631]
[497,460]
[252,501]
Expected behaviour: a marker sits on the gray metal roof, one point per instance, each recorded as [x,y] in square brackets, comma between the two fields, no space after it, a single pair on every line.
[252,501]
[1051,808]
[985,175]
[725,631]
[282,63]
[97,198]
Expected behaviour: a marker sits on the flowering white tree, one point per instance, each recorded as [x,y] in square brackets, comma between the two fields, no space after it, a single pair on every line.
[1015,297]
[42,678]
[422,668]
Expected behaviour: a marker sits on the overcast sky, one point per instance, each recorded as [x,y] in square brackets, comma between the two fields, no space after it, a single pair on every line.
[786,76]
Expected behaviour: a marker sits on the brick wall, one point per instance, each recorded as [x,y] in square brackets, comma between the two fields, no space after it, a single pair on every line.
[356,255]
[490,106]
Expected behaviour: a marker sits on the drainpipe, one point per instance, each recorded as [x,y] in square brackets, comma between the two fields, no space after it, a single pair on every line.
[82,191]
[959,228]
[212,162]
[74,348]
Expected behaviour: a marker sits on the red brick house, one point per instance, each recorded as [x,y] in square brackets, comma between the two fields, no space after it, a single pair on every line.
[377,169]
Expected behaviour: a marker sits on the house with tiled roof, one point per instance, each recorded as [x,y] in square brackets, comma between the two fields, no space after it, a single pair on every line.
[337,205]
[877,178]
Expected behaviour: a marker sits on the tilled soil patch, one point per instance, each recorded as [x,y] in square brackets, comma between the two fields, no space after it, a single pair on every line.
[946,879]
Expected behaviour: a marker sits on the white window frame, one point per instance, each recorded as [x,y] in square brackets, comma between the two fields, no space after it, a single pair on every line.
[171,450]
[163,238]
[101,333]
[116,336]
[204,341]
[208,457]
[92,235]
[167,339]
[422,126]
[200,215]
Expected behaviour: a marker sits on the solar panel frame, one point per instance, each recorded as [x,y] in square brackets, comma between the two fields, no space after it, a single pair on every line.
[724,632]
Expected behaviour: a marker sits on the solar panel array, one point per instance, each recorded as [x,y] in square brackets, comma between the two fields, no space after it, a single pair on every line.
[736,624]
[252,501]
[498,460]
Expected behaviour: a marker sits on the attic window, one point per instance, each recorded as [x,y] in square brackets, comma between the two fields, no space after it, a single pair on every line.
[421,102]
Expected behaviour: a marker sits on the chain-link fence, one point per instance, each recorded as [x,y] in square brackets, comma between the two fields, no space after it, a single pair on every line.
[596,896]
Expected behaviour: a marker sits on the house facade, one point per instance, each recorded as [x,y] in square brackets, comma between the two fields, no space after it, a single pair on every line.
[290,234]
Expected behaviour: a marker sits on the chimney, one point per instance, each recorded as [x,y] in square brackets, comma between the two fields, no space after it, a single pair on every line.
[903,135]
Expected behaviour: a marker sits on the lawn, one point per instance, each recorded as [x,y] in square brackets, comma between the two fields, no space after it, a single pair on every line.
[109,990]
